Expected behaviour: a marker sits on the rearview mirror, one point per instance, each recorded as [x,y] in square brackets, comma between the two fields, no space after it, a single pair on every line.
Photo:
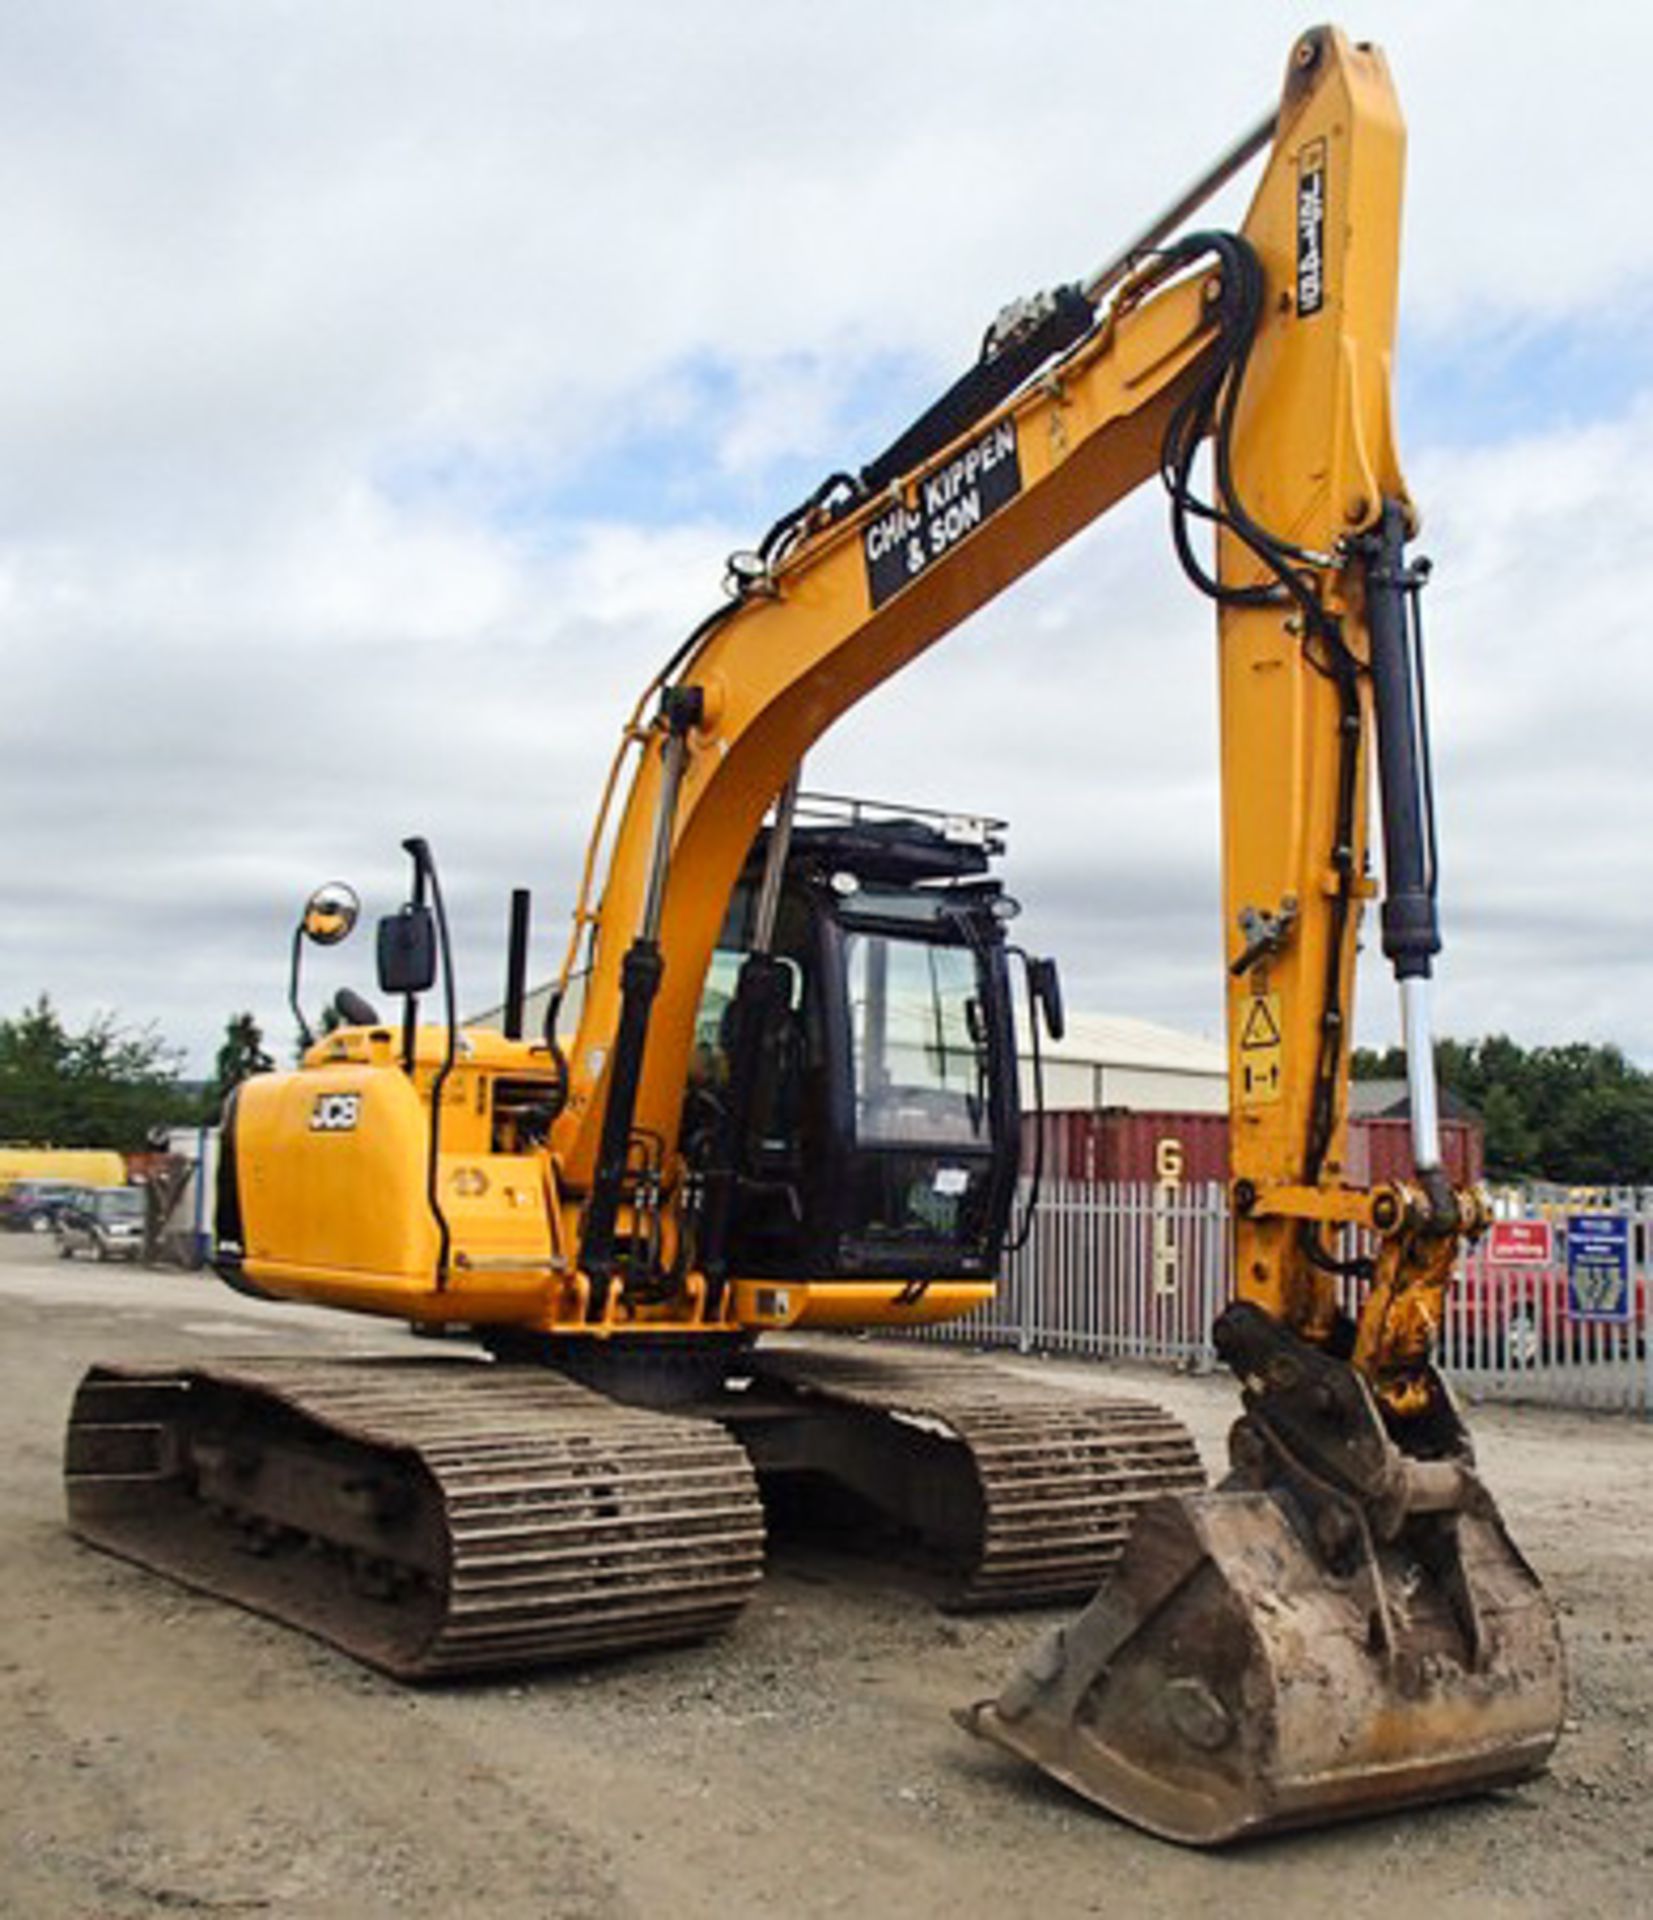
[1045,985]
[407,951]
[330,914]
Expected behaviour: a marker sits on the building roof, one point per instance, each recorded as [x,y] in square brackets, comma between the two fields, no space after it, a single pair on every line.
[1387,1100]
[1092,1039]
[1113,1040]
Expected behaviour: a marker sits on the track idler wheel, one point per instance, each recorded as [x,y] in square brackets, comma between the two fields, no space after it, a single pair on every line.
[1227,1680]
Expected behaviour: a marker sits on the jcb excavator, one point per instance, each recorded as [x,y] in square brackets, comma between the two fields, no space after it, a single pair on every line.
[790,1104]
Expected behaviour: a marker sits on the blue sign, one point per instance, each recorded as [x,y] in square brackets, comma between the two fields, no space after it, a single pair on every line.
[1598,1266]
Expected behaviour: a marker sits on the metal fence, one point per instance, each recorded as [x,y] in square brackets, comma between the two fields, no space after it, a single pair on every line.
[1133,1271]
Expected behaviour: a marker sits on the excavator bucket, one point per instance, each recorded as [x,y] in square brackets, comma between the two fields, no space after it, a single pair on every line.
[1232,1677]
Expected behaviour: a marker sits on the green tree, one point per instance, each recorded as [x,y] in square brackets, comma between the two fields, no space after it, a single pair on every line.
[239,1058]
[34,1069]
[1578,1114]
[107,1086]
[1604,1136]
[1511,1145]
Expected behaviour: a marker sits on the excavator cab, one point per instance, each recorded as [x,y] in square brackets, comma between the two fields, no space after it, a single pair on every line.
[855,1086]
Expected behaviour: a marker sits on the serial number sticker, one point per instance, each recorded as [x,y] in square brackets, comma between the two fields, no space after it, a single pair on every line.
[949,506]
[1311,229]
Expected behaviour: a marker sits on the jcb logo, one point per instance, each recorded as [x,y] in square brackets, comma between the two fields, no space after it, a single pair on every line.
[335,1112]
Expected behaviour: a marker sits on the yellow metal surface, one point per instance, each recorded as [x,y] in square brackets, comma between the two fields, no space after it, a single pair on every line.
[333,1168]
[310,1147]
[867,1303]
[1313,457]
[86,1166]
[1400,1319]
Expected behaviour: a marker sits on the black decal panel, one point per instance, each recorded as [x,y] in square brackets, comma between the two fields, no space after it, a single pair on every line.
[1311,228]
[947,506]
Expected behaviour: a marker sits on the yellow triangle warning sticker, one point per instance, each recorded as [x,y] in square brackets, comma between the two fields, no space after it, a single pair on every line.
[1260,1056]
[1262,1024]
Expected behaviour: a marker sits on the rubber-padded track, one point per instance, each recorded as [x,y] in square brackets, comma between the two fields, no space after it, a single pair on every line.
[1058,1475]
[430,1517]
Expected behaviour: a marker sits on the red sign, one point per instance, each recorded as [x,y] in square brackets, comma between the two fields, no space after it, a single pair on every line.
[1522,1242]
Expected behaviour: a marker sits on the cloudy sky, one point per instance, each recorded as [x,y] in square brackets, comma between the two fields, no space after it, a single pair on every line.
[382,385]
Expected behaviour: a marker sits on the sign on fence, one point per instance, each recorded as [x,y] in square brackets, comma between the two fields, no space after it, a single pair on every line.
[1598,1266]
[1520,1243]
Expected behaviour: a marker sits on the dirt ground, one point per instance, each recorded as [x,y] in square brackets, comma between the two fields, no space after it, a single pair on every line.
[163,1752]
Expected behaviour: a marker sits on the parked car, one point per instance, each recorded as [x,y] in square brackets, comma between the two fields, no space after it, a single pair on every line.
[32,1206]
[106,1223]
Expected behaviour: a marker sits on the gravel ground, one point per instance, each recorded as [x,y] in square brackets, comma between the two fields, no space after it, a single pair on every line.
[159,1752]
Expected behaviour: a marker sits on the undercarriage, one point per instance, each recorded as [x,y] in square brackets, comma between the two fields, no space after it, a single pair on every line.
[442,1516]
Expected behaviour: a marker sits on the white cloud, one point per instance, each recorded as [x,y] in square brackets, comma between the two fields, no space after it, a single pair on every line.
[269,261]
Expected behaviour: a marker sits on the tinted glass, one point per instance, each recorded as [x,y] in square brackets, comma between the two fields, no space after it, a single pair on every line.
[920,1077]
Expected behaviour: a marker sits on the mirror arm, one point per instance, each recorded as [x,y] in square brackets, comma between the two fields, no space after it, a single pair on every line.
[410,1001]
[424,875]
[306,1037]
[329,916]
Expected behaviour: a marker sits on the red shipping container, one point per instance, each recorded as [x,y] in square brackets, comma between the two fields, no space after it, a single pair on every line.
[1381,1150]
[1113,1144]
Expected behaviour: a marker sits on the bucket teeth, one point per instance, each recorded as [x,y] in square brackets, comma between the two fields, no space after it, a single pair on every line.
[1221,1684]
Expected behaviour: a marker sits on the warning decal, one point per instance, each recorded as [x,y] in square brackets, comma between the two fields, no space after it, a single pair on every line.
[1261,1051]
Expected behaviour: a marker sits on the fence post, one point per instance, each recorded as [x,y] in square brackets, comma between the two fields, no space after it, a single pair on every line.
[1642,1231]
[1216,1269]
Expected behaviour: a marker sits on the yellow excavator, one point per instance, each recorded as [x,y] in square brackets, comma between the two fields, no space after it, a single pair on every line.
[788,1107]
